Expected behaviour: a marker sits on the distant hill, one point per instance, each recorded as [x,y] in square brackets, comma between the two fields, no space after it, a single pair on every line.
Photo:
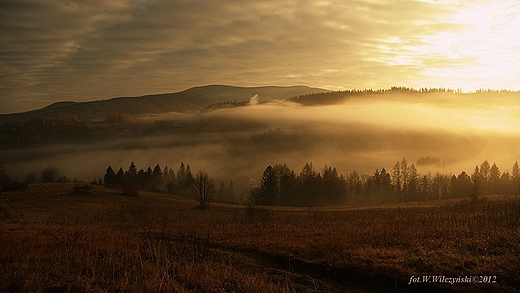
[58,105]
[225,93]
[191,100]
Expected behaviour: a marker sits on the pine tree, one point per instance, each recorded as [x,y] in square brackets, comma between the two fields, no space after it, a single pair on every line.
[110,176]
[120,177]
[189,177]
[484,176]
[157,173]
[157,178]
[132,169]
[130,182]
[405,172]
[181,176]
[494,179]
[385,183]
[311,184]
[397,180]
[169,179]
[268,191]
[476,180]
[413,183]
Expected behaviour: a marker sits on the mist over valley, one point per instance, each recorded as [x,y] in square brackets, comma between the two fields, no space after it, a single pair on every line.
[234,133]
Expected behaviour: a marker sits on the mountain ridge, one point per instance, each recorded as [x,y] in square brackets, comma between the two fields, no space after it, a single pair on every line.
[187,101]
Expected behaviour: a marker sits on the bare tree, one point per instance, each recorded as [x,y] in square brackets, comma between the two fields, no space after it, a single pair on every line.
[204,189]
[49,174]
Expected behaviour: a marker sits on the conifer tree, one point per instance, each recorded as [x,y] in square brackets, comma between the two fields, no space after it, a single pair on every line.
[157,178]
[110,176]
[132,169]
[189,177]
[476,181]
[494,179]
[484,176]
[181,176]
[120,177]
[268,190]
[397,180]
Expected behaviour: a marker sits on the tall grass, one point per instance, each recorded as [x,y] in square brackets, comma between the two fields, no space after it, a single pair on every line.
[57,241]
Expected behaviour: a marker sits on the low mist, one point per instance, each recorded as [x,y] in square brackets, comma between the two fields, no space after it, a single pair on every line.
[362,133]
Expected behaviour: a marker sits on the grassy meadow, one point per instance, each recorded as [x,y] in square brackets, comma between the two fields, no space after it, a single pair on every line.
[54,239]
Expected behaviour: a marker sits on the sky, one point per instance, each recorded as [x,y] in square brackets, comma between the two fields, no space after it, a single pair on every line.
[89,50]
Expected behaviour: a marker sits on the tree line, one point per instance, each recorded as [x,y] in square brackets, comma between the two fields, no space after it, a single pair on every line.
[167,180]
[338,96]
[155,179]
[42,129]
[280,185]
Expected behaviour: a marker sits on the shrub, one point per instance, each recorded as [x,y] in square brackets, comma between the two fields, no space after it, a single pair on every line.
[49,174]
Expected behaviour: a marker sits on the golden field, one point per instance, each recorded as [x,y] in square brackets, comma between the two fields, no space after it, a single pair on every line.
[55,240]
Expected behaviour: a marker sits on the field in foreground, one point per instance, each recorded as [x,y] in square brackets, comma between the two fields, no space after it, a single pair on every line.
[53,240]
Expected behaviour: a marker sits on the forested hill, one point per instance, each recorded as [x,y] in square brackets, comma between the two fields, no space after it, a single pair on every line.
[177,102]
[191,100]
[401,93]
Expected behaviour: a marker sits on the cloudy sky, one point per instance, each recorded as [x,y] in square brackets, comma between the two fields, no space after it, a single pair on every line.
[88,50]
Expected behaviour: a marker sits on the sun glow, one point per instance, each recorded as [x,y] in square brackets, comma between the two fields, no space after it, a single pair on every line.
[481,50]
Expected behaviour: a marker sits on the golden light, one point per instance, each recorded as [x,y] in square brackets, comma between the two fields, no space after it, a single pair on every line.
[480,48]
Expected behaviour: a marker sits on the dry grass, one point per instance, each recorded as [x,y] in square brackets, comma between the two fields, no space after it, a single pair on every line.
[56,241]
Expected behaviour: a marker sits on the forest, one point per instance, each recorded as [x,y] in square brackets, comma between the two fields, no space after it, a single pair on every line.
[281,186]
[41,130]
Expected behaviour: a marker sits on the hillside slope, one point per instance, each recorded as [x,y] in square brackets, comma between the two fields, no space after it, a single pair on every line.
[187,101]
[225,93]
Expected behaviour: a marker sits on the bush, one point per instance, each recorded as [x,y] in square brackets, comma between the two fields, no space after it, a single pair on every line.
[49,174]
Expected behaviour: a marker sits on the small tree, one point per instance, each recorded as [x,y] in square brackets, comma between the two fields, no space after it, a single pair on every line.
[204,188]
[49,174]
[269,191]
[120,177]
[130,183]
[157,178]
[132,169]
[110,176]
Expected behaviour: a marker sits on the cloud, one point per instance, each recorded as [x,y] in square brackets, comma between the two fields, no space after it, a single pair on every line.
[84,50]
